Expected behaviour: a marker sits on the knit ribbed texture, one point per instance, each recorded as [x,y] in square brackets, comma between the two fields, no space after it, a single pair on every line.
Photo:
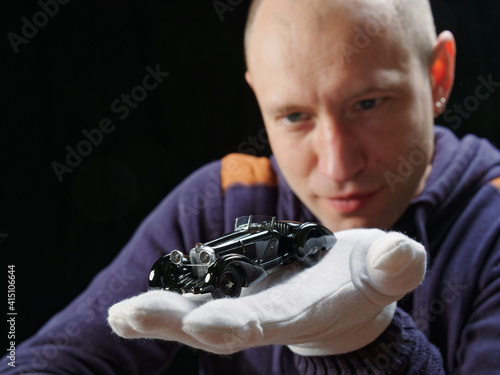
[401,347]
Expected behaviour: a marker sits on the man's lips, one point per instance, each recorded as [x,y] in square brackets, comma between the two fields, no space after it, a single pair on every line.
[350,203]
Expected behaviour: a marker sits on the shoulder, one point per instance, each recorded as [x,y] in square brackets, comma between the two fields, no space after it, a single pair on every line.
[495,183]
[233,170]
[249,186]
[246,170]
[210,198]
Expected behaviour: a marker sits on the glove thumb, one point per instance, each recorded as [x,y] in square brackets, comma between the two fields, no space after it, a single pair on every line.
[391,267]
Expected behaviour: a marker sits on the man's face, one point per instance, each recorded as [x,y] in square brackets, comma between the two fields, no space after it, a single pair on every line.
[349,117]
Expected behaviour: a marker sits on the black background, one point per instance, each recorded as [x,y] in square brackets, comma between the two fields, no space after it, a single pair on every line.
[64,79]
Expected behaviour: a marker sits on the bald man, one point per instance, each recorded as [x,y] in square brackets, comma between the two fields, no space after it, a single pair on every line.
[348,91]
[340,123]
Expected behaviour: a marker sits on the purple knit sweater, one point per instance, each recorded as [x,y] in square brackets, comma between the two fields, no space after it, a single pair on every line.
[450,324]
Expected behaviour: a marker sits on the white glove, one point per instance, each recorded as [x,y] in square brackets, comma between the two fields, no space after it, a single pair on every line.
[339,305]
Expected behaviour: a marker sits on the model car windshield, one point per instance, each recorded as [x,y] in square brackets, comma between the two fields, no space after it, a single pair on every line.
[254,221]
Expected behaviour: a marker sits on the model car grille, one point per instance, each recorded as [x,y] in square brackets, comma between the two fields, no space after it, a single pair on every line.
[201,258]
[198,269]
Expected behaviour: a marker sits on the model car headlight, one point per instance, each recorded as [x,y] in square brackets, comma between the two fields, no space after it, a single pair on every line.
[207,256]
[176,257]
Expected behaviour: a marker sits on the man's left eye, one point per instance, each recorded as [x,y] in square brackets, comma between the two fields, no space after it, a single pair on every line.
[295,117]
[367,104]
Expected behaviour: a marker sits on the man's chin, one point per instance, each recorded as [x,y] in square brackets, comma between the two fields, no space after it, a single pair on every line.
[369,217]
[349,222]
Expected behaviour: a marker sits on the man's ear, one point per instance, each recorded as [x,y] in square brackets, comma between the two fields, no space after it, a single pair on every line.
[442,69]
[248,78]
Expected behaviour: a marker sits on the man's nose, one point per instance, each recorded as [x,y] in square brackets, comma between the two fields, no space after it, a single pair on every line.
[339,153]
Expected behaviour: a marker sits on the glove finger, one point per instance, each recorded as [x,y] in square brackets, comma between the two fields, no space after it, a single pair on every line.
[396,264]
[155,314]
[391,267]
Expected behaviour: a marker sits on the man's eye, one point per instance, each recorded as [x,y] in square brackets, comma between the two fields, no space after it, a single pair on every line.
[295,117]
[368,104]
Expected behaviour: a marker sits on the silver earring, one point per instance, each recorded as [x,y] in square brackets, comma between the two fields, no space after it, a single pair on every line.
[441,102]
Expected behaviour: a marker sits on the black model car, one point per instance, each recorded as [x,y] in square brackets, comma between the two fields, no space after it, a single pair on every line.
[240,258]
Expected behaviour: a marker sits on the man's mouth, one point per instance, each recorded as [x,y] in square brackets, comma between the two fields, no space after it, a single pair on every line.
[350,203]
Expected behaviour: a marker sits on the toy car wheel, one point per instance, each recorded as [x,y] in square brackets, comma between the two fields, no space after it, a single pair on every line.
[311,249]
[311,259]
[230,283]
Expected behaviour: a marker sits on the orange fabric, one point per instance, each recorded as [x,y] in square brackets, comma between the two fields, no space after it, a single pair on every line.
[496,182]
[246,170]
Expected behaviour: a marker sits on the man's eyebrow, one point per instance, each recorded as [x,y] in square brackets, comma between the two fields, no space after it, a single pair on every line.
[392,82]
[375,87]
[378,89]
[280,109]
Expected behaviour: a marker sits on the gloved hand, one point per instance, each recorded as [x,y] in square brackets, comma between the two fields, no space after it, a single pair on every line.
[339,305]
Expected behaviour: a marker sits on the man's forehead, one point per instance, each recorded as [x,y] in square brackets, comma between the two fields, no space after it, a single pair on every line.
[407,21]
[295,11]
[287,27]
[317,46]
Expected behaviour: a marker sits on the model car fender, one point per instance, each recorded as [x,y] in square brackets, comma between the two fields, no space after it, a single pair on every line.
[252,272]
[310,237]
[164,272]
